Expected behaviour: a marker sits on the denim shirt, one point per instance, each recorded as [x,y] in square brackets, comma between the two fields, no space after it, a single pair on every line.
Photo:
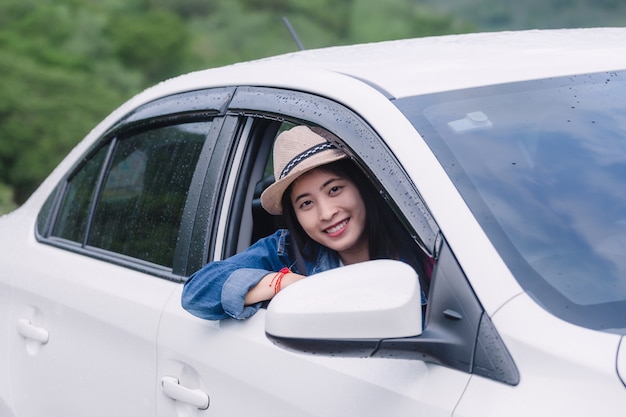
[218,290]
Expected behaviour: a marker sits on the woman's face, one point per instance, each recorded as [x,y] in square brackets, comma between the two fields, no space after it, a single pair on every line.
[331,211]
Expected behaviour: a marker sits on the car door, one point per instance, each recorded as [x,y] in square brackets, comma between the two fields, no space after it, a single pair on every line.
[109,249]
[230,367]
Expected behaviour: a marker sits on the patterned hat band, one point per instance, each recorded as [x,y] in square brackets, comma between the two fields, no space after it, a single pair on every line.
[304,155]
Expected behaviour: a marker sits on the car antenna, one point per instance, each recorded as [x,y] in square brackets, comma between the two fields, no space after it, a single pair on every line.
[293,33]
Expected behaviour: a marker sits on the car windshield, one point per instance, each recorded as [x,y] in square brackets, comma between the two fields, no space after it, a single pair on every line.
[542,165]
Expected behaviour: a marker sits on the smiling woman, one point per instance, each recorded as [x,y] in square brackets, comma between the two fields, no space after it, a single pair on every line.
[333,215]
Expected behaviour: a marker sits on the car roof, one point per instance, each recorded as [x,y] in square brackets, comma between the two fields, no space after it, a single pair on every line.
[425,65]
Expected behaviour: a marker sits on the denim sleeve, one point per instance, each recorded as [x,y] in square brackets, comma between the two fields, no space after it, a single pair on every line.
[218,290]
[235,289]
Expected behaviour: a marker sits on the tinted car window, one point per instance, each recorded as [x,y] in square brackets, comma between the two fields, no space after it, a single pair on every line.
[139,206]
[74,213]
[542,166]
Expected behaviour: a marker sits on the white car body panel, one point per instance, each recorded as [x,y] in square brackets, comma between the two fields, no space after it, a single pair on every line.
[565,369]
[6,318]
[66,294]
[621,362]
[256,375]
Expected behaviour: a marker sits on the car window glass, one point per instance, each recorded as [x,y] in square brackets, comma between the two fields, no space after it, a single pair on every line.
[549,193]
[74,211]
[140,208]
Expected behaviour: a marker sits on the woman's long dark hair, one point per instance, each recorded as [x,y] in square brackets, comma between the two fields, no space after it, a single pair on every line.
[387,238]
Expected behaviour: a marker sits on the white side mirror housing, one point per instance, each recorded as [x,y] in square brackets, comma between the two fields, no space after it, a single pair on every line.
[377,299]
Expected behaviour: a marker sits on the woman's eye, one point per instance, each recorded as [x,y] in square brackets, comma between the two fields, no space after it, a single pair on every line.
[305,204]
[334,190]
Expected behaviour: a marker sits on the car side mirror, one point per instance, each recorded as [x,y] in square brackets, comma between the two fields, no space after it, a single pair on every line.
[355,305]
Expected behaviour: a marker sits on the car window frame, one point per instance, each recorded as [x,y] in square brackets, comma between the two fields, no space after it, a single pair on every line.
[206,105]
[358,139]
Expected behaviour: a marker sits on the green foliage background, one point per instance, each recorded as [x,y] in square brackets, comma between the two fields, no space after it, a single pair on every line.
[65,64]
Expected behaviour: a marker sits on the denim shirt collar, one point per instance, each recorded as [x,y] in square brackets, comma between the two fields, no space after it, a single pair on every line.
[326,258]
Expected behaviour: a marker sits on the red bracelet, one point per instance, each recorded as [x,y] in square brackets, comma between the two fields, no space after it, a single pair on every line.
[278,279]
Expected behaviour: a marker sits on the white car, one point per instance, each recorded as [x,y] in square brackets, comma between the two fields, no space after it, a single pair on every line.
[504,154]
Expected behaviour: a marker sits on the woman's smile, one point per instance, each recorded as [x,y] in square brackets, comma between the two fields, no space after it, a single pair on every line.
[337,229]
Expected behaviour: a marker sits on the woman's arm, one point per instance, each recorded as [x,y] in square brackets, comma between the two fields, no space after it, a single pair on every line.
[219,289]
[270,285]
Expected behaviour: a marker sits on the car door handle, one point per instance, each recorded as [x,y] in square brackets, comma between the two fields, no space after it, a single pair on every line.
[172,388]
[30,331]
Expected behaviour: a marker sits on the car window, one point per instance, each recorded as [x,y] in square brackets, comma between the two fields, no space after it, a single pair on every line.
[541,164]
[72,220]
[250,222]
[143,190]
[361,142]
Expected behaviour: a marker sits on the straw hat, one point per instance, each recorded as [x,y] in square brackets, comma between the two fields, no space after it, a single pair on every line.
[297,151]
